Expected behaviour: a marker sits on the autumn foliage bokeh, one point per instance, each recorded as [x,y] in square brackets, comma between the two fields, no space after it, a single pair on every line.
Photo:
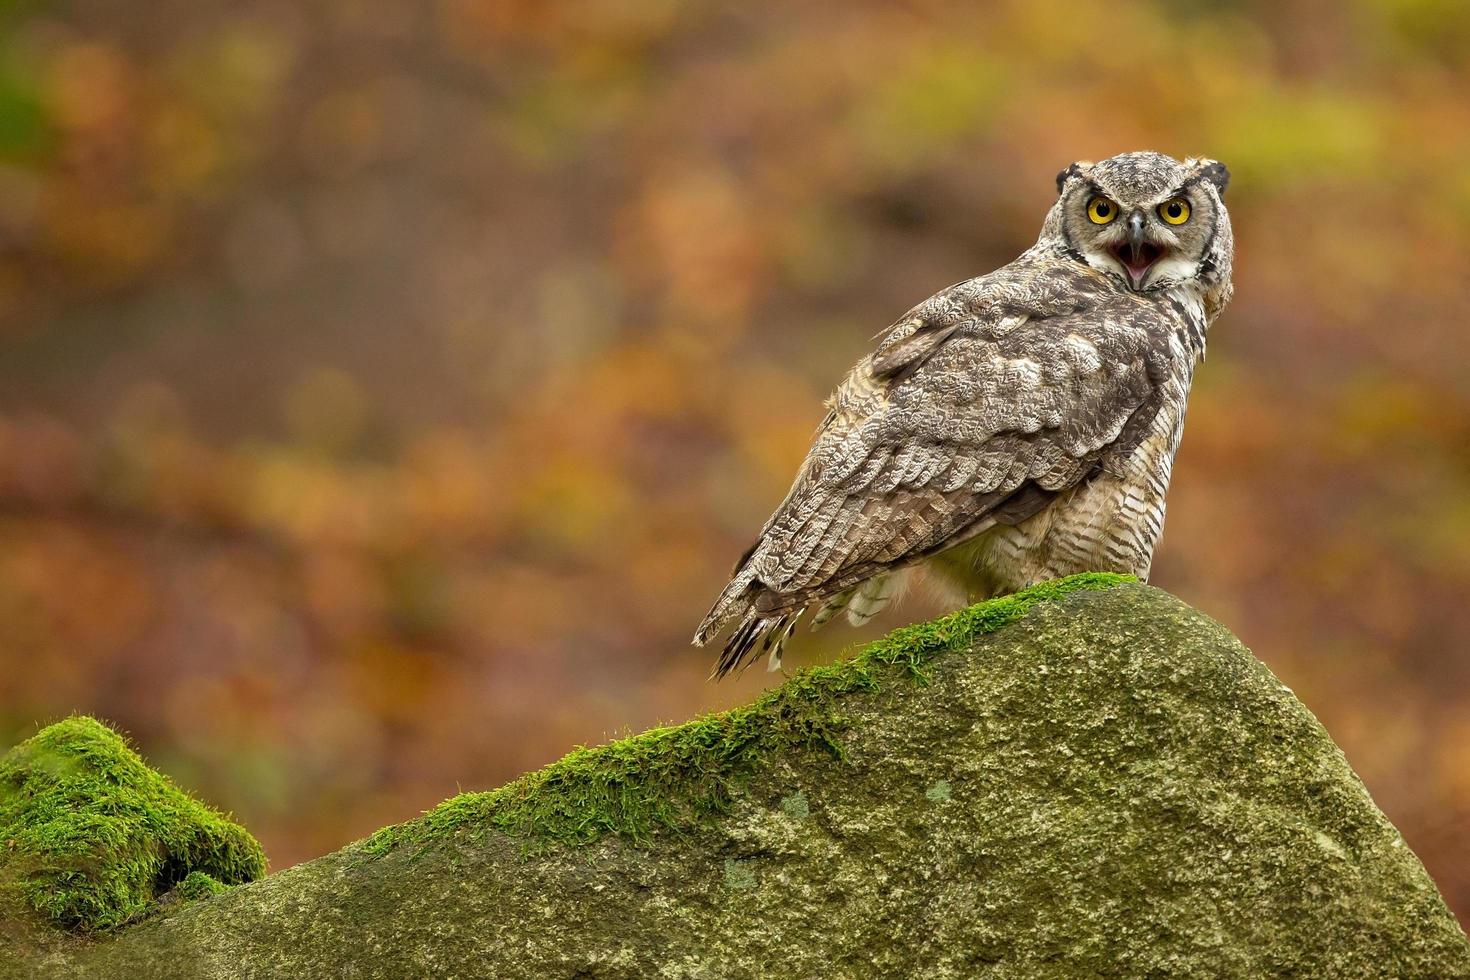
[386,387]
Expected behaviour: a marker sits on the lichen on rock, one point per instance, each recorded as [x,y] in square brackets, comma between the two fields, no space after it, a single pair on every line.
[91,837]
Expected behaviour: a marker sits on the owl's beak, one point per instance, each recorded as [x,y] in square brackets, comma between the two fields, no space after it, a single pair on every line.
[1137,254]
[1135,231]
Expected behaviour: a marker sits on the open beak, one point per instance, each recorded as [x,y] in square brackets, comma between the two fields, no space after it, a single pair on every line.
[1136,254]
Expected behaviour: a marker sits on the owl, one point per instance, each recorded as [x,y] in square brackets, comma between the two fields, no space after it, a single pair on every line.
[1013,428]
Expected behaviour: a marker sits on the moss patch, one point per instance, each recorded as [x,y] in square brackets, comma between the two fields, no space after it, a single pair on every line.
[672,778]
[197,885]
[90,836]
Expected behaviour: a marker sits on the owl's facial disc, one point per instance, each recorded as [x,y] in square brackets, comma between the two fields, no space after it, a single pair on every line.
[1147,221]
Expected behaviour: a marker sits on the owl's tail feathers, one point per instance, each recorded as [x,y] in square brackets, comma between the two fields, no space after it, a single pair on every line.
[755,631]
[755,635]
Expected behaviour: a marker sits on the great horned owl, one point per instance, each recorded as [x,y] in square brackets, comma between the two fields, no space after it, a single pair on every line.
[1013,428]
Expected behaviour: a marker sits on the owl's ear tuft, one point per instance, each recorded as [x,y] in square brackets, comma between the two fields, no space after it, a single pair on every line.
[1073,170]
[1216,173]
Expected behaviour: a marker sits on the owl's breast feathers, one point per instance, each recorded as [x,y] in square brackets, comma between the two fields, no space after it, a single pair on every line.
[977,409]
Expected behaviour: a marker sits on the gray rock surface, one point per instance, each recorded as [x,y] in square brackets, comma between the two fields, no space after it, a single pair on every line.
[1104,784]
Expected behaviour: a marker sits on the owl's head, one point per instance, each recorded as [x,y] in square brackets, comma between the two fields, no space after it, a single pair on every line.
[1148,219]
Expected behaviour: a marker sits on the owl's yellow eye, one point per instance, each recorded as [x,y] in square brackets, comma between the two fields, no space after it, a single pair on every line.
[1100,210]
[1175,212]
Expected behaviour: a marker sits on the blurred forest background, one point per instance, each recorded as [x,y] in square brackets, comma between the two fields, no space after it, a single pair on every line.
[386,387]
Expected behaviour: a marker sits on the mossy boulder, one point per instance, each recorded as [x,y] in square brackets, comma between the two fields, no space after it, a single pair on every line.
[91,837]
[1090,779]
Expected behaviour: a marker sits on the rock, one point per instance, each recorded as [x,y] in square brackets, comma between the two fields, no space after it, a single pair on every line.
[1086,779]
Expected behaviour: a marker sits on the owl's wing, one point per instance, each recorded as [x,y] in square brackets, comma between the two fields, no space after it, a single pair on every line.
[977,408]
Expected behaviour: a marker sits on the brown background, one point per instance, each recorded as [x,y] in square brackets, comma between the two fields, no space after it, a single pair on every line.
[385,388]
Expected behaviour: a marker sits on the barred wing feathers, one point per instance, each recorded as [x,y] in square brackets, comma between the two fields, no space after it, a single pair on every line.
[977,408]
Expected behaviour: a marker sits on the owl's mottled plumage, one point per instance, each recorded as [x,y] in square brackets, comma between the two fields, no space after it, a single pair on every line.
[1013,428]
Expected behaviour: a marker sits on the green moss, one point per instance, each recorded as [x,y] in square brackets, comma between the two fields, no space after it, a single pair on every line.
[90,836]
[197,885]
[670,779]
